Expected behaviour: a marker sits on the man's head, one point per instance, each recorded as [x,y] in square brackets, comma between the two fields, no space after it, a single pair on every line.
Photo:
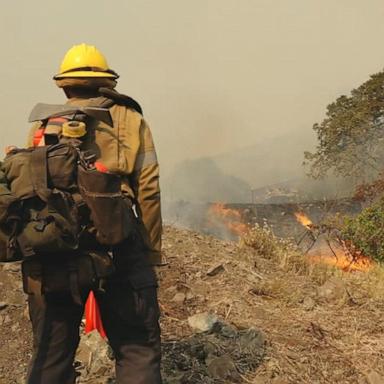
[83,71]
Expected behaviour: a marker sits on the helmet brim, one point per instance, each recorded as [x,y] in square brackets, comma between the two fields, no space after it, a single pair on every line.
[84,74]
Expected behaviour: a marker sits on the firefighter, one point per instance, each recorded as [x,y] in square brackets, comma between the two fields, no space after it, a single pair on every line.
[128,304]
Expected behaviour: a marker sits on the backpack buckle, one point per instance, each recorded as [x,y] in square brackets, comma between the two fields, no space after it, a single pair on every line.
[87,159]
[42,223]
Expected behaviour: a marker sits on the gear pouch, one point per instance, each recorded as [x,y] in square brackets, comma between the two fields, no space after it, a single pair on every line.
[111,211]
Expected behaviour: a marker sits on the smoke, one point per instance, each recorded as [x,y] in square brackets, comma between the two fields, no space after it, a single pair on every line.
[270,172]
[234,89]
[202,181]
[231,177]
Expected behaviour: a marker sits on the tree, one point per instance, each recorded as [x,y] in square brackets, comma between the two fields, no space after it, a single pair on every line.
[351,137]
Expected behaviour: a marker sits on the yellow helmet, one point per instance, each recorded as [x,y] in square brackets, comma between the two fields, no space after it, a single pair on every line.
[84,61]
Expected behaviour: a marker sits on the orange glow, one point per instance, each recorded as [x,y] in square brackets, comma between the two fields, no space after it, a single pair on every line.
[362,263]
[341,256]
[230,219]
[303,219]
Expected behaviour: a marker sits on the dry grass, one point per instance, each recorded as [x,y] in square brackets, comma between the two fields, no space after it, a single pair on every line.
[268,284]
[265,283]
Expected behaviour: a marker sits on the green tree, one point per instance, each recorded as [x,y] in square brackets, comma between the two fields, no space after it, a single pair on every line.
[351,137]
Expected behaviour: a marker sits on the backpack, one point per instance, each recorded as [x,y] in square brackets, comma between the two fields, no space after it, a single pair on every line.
[57,207]
[45,217]
[64,203]
[45,221]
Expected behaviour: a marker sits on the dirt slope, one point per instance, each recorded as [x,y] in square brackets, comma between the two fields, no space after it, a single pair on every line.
[319,326]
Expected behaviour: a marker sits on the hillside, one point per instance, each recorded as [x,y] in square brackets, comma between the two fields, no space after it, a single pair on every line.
[268,160]
[268,165]
[281,320]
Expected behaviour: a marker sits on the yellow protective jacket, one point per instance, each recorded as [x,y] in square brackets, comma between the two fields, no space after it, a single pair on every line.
[127,148]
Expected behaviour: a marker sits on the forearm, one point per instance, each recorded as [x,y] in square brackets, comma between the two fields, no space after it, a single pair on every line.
[148,198]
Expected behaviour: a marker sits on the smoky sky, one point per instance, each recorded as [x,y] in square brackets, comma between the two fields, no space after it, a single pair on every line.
[213,76]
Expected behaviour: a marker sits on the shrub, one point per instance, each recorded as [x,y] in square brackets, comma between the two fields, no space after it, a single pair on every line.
[268,246]
[366,231]
[262,240]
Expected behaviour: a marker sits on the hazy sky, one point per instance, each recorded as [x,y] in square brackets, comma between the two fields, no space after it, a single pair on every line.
[211,75]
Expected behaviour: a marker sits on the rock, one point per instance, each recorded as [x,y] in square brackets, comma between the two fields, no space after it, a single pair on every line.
[179,298]
[171,289]
[252,341]
[202,322]
[189,295]
[12,267]
[374,378]
[308,303]
[3,305]
[94,355]
[333,290]
[209,349]
[215,270]
[223,368]
[228,331]
[211,357]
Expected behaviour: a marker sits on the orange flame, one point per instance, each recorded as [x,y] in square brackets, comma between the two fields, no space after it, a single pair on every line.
[343,262]
[303,219]
[346,257]
[340,254]
[351,259]
[231,219]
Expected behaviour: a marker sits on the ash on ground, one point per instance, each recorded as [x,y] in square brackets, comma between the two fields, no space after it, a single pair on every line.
[222,355]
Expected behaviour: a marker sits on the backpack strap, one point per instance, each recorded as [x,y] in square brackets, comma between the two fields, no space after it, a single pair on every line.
[23,245]
[74,285]
[38,136]
[32,272]
[39,173]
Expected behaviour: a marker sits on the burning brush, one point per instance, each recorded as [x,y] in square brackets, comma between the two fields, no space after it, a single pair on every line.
[303,219]
[326,246]
[226,220]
